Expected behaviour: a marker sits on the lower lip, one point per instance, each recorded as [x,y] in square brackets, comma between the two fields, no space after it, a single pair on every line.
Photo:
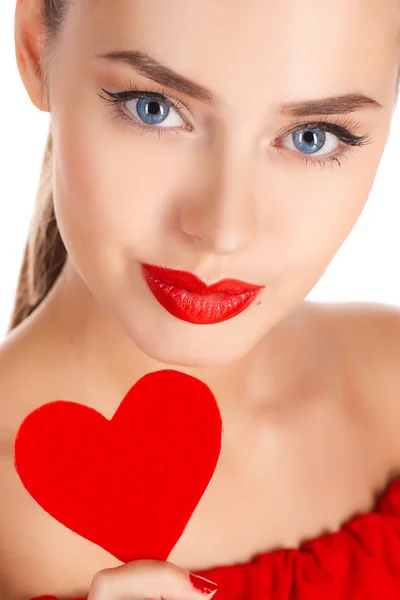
[200,309]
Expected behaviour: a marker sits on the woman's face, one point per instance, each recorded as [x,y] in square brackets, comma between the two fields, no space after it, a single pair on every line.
[260,178]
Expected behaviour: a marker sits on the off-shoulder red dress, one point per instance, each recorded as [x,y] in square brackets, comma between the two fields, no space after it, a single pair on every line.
[359,562]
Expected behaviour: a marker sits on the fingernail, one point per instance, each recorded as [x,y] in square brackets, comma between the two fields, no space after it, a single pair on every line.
[205,586]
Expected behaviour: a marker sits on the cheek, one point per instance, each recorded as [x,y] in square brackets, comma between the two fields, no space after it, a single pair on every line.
[320,211]
[107,195]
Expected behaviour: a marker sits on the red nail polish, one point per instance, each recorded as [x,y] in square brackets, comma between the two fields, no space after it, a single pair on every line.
[205,586]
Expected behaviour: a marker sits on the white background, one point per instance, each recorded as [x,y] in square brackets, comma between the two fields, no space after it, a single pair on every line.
[366,268]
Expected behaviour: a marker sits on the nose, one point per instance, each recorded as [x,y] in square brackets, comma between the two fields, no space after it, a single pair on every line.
[223,218]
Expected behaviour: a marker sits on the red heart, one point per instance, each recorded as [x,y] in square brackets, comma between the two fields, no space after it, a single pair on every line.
[129,484]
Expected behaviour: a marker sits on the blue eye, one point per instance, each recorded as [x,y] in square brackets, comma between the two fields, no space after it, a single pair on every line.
[151,111]
[312,140]
[309,141]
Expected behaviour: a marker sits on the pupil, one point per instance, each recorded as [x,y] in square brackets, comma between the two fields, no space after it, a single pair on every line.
[308,137]
[154,108]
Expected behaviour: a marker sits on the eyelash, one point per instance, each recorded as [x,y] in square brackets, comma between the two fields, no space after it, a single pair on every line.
[344,128]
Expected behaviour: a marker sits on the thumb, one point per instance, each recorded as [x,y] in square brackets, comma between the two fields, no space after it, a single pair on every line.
[144,579]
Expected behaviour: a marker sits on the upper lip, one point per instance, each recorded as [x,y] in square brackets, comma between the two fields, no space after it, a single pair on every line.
[192,283]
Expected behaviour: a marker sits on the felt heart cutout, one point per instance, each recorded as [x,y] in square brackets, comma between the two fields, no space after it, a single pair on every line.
[129,484]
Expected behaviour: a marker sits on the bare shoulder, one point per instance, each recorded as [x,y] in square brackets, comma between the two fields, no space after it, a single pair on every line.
[24,385]
[19,376]
[370,327]
[15,385]
[368,338]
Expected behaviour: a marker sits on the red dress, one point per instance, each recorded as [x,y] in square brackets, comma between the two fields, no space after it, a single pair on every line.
[359,562]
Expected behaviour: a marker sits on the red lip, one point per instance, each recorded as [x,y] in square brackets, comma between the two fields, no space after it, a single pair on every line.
[188,298]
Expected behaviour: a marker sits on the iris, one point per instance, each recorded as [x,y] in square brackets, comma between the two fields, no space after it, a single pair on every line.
[309,140]
[150,110]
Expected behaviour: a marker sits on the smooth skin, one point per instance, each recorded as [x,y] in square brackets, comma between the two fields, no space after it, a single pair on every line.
[309,393]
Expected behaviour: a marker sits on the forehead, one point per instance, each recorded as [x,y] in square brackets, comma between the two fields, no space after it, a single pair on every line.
[285,44]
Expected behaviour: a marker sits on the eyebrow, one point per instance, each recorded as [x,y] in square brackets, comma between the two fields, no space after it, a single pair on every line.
[344,104]
[150,67]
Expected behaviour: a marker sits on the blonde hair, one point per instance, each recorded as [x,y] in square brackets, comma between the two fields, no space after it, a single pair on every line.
[45,253]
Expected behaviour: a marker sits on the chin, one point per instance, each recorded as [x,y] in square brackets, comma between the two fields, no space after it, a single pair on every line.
[185,345]
[187,354]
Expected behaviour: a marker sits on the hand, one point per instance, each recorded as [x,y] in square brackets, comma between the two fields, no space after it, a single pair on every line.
[148,580]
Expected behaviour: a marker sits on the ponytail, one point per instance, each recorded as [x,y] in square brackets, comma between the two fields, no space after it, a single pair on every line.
[45,253]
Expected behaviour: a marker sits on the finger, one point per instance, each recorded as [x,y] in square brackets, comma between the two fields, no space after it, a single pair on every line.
[149,579]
